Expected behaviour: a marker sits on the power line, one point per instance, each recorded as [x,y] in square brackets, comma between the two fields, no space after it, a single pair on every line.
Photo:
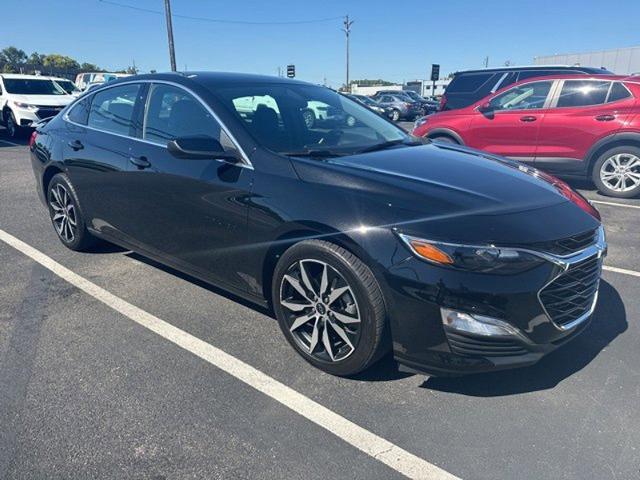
[219,20]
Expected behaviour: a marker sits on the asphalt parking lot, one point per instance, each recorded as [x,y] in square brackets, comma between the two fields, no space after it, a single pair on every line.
[89,390]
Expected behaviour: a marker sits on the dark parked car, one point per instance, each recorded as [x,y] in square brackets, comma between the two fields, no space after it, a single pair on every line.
[360,238]
[399,106]
[428,106]
[370,103]
[469,86]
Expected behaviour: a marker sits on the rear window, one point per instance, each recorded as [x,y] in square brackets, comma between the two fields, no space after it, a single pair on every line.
[468,82]
[79,113]
[618,92]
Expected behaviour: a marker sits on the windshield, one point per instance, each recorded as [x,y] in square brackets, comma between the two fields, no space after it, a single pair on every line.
[28,86]
[293,118]
[412,95]
[68,86]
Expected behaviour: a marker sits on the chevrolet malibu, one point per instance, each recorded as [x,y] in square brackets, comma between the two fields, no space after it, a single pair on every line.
[360,238]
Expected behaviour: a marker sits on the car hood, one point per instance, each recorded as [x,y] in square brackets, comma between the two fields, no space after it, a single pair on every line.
[44,100]
[454,192]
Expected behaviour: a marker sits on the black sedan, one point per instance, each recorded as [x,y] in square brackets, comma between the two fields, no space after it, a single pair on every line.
[361,238]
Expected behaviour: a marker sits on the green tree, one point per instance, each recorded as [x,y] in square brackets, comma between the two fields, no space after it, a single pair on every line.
[12,59]
[60,63]
[90,67]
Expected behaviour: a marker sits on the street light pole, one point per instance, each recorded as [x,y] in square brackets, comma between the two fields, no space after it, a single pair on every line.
[172,52]
[347,32]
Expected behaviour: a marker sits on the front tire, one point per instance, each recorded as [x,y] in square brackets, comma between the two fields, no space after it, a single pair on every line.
[13,129]
[66,214]
[395,115]
[329,307]
[616,172]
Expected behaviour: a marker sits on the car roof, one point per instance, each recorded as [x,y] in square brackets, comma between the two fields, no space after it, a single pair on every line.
[581,76]
[22,76]
[593,70]
[212,79]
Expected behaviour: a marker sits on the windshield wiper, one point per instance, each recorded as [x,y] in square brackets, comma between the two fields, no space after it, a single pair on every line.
[313,154]
[391,143]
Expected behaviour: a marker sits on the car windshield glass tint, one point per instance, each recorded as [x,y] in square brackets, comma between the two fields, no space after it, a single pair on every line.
[289,118]
[24,86]
[67,86]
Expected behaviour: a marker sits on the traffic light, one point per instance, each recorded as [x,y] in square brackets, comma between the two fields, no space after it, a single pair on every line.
[435,72]
[291,71]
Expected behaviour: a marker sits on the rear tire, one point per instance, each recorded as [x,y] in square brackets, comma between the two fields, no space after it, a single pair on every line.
[616,172]
[347,306]
[66,214]
[395,115]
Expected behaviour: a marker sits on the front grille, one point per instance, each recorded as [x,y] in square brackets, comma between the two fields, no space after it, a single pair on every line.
[569,245]
[472,346]
[46,112]
[571,294]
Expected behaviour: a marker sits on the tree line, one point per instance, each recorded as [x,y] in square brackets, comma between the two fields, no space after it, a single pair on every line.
[14,60]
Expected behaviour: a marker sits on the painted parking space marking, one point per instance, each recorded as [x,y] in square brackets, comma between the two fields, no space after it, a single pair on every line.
[624,271]
[11,143]
[614,204]
[402,461]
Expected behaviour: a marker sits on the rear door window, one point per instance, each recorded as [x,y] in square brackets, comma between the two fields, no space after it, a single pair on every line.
[582,93]
[112,109]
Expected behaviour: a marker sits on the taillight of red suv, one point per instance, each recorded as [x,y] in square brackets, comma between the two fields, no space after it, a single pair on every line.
[443,102]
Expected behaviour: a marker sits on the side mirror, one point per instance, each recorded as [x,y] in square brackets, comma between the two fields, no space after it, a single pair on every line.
[200,148]
[485,108]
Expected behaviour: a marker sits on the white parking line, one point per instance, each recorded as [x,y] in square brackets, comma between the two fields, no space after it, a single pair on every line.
[11,143]
[621,270]
[614,204]
[377,447]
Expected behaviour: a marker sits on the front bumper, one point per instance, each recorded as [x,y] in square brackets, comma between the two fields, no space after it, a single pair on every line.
[29,117]
[546,306]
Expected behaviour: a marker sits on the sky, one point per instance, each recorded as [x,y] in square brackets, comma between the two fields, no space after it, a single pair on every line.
[396,41]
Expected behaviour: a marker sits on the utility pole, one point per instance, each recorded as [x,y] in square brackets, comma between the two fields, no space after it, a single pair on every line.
[347,32]
[172,52]
[486,61]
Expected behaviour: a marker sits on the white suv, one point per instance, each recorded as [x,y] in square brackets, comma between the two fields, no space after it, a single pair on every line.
[26,99]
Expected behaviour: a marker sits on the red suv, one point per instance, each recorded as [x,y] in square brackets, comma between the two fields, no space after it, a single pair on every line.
[571,125]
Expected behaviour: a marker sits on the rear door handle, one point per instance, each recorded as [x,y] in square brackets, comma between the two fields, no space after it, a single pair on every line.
[140,162]
[528,118]
[76,145]
[605,118]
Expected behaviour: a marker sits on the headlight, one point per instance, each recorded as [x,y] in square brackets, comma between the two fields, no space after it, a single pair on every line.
[24,106]
[419,122]
[481,259]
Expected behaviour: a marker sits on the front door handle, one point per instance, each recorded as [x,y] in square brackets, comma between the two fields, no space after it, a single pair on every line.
[140,162]
[605,118]
[76,145]
[528,118]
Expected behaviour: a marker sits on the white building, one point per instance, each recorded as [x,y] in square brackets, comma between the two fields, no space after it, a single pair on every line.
[425,87]
[622,61]
[372,90]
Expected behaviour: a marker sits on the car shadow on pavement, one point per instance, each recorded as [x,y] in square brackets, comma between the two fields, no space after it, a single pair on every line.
[608,322]
[201,284]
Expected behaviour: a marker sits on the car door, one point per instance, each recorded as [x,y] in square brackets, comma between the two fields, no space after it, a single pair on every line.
[193,213]
[508,123]
[99,130]
[583,111]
